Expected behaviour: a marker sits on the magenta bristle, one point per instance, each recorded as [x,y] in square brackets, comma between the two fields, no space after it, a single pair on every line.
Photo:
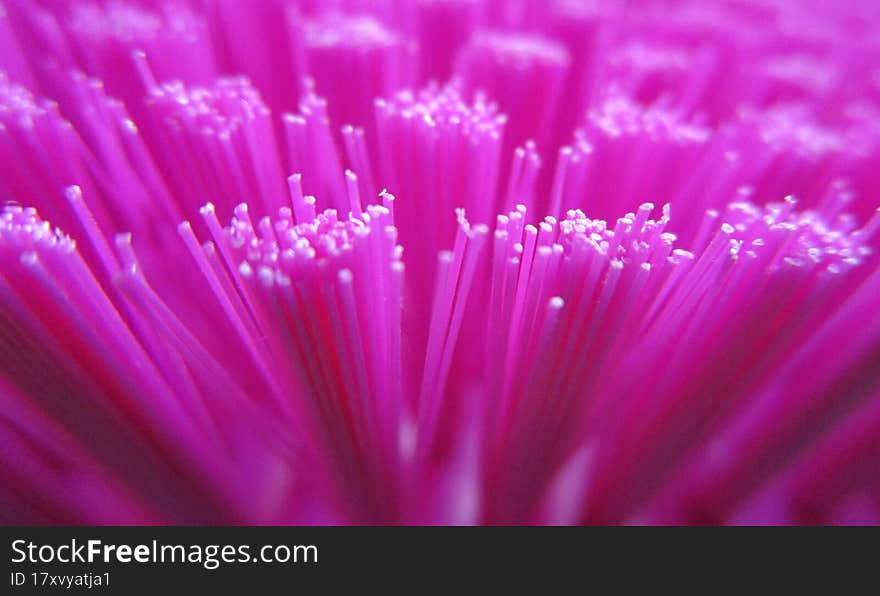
[103,38]
[525,74]
[73,327]
[827,477]
[454,279]
[800,249]
[445,261]
[41,151]
[215,142]
[354,57]
[444,26]
[267,59]
[453,151]
[313,152]
[15,61]
[626,153]
[355,395]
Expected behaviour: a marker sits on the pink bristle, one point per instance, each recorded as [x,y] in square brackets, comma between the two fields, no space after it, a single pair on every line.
[444,26]
[44,45]
[786,256]
[792,149]
[51,473]
[825,476]
[354,58]
[625,272]
[100,407]
[455,277]
[626,153]
[452,151]
[390,12]
[103,38]
[215,143]
[267,58]
[583,27]
[335,284]
[122,164]
[13,60]
[41,151]
[825,393]
[522,180]
[312,151]
[697,168]
[645,72]
[550,258]
[121,188]
[443,152]
[712,360]
[524,74]
[161,394]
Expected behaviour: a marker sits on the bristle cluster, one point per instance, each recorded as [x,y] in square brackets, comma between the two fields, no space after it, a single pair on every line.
[315,301]
[453,154]
[626,153]
[41,152]
[560,349]
[216,143]
[525,74]
[582,316]
[355,56]
[122,391]
[104,36]
[312,151]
